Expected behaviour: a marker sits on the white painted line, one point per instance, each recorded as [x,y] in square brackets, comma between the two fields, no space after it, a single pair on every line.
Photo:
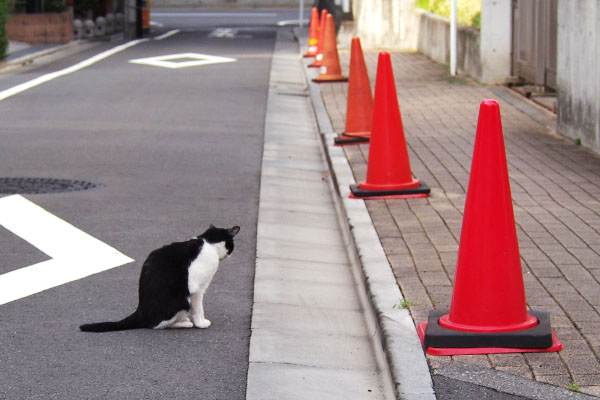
[229,33]
[75,254]
[69,70]
[212,15]
[168,34]
[167,61]
[292,22]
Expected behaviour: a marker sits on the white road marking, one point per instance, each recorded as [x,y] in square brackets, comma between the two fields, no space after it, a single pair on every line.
[287,22]
[229,33]
[75,254]
[168,61]
[223,33]
[168,34]
[69,70]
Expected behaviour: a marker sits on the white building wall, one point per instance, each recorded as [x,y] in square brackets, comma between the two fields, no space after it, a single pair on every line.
[495,40]
[578,71]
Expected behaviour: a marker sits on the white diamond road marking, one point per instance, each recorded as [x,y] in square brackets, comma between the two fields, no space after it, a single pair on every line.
[75,254]
[224,33]
[169,61]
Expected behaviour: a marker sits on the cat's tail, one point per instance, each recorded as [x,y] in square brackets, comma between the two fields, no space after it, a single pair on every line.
[130,322]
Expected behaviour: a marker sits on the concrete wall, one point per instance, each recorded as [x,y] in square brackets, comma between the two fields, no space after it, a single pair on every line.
[40,28]
[578,71]
[396,24]
[383,24]
[433,40]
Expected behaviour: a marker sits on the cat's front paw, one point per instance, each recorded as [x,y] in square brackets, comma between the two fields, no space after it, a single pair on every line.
[202,323]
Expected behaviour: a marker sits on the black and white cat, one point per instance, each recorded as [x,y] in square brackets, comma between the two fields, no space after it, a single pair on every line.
[173,281]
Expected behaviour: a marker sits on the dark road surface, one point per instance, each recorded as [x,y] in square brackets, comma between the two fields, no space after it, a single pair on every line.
[172,150]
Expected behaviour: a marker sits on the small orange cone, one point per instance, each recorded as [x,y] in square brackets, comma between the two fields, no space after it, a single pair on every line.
[359,108]
[488,312]
[330,66]
[321,41]
[388,167]
[313,35]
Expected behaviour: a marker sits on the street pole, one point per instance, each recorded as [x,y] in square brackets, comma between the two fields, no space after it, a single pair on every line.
[453,47]
[301,14]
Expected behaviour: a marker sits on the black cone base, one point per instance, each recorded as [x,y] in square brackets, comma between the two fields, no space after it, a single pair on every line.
[343,139]
[420,191]
[538,337]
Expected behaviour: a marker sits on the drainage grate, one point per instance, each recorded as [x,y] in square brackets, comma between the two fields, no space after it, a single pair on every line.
[42,185]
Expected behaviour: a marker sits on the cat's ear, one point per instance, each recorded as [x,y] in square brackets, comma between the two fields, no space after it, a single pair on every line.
[233,231]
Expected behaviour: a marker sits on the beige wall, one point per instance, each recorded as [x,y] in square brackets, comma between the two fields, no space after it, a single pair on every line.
[578,71]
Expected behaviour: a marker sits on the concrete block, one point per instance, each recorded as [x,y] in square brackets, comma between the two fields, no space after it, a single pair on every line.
[311,294]
[298,382]
[300,320]
[353,353]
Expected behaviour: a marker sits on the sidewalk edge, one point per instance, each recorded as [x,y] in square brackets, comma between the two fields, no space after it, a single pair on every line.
[394,328]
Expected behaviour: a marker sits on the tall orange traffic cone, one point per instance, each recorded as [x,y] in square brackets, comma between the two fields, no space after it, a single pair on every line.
[488,312]
[388,167]
[321,41]
[359,107]
[313,33]
[331,71]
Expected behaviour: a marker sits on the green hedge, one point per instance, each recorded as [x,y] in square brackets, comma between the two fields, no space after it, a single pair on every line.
[4,14]
[469,11]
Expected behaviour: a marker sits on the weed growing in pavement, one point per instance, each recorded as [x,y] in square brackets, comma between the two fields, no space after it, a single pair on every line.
[404,304]
[574,386]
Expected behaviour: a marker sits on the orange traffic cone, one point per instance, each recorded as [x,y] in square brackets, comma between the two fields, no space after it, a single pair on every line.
[321,41]
[388,167]
[313,34]
[330,66]
[488,312]
[359,108]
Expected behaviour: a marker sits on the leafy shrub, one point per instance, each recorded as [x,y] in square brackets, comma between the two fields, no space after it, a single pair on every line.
[4,14]
[82,7]
[54,6]
[468,11]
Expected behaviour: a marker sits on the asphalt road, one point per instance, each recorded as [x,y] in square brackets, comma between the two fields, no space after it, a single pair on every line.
[172,150]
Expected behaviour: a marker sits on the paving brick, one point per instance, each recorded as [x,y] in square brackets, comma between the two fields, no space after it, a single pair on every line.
[507,360]
[591,390]
[393,245]
[438,362]
[556,380]
[576,347]
[545,363]
[522,371]
[582,364]
[480,360]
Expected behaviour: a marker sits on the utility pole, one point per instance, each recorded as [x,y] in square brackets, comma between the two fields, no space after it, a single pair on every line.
[453,29]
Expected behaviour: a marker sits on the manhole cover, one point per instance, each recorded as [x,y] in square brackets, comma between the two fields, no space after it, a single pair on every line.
[42,185]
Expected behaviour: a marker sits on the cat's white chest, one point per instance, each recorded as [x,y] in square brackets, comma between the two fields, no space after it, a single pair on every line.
[203,268]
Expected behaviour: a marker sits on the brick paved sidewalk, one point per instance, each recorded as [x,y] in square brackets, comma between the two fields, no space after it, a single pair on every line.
[556,192]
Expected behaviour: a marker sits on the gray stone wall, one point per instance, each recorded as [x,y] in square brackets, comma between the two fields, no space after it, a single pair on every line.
[578,71]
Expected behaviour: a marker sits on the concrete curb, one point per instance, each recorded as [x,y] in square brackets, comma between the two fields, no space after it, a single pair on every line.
[460,380]
[29,58]
[394,329]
